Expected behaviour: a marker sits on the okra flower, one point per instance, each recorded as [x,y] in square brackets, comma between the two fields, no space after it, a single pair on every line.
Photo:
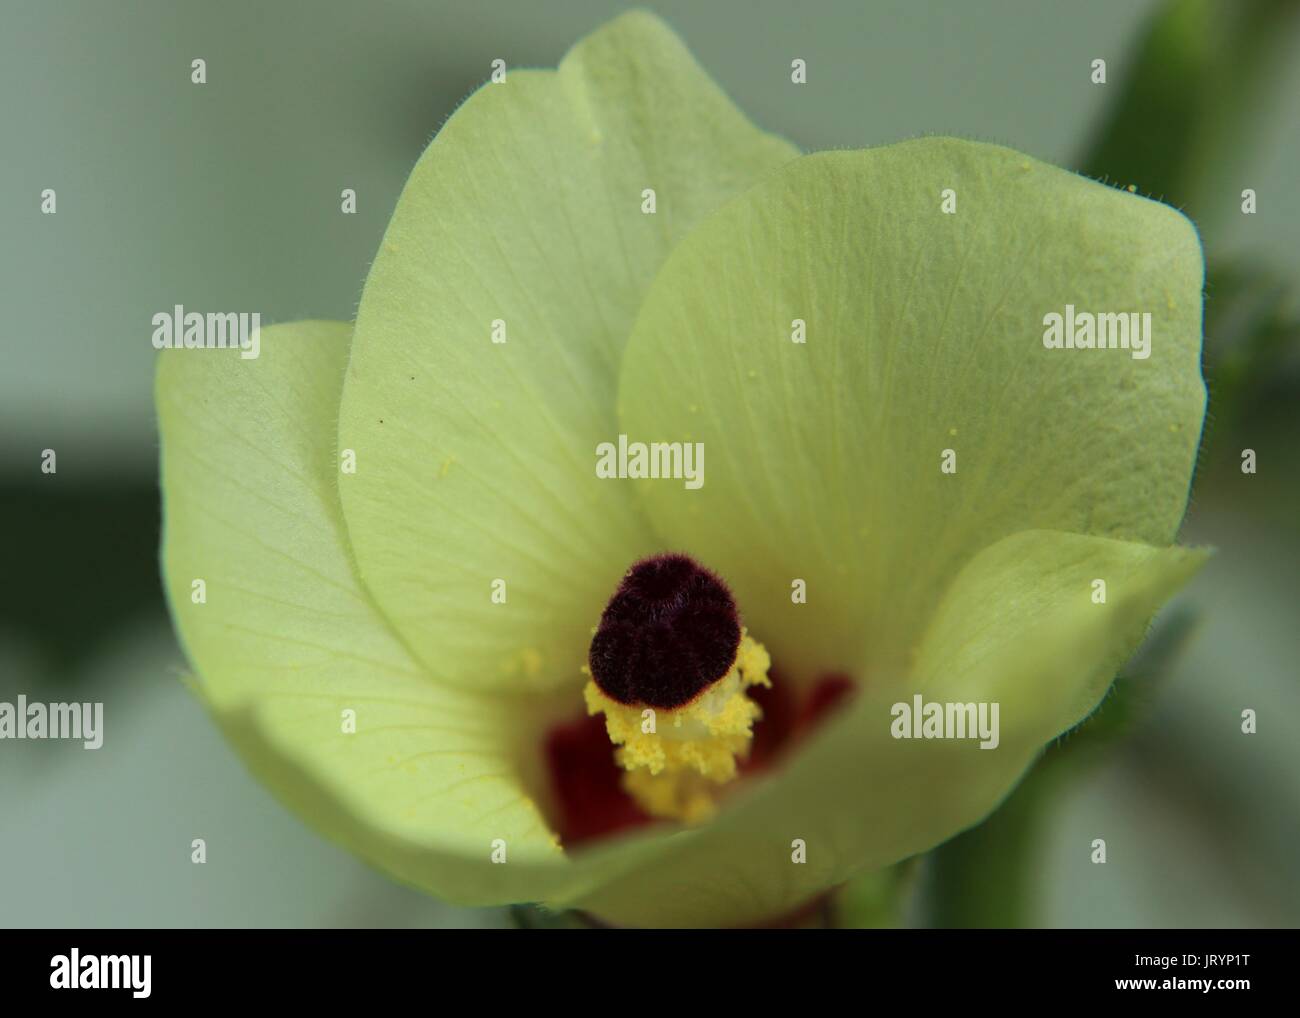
[419,580]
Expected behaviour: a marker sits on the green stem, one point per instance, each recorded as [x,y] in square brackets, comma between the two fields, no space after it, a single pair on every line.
[984,877]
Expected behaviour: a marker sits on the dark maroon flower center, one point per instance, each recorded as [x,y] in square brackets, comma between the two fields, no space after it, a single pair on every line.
[670,631]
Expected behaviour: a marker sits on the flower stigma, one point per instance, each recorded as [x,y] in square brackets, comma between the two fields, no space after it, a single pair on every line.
[670,667]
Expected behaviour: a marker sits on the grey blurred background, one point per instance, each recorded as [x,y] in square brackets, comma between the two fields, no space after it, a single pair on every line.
[227,195]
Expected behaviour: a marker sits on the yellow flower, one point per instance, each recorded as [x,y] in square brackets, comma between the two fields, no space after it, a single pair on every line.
[407,527]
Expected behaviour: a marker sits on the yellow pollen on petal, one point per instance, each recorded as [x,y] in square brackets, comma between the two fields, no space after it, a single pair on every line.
[678,760]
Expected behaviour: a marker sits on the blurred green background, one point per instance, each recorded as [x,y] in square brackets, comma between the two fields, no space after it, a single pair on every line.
[226,195]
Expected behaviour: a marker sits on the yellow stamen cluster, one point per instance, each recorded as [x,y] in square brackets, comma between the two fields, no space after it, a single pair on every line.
[677,760]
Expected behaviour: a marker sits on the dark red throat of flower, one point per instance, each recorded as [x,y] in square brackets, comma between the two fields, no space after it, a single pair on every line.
[670,631]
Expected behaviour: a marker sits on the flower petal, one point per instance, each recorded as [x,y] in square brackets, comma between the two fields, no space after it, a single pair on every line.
[1033,601]
[924,333]
[286,640]
[476,459]
[1018,627]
